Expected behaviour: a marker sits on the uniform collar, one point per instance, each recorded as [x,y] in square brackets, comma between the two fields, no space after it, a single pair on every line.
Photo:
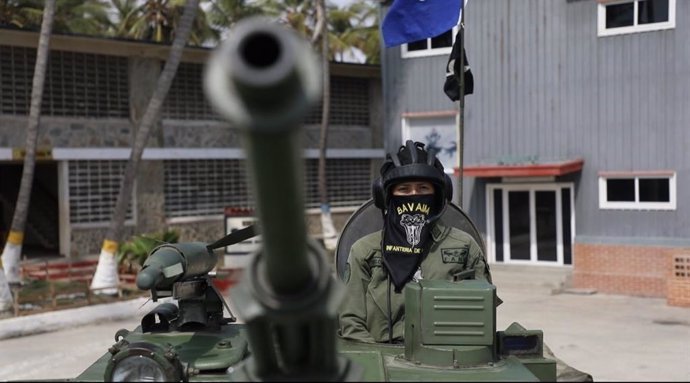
[439,231]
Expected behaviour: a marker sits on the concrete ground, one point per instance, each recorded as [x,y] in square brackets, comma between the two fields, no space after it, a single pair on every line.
[611,337]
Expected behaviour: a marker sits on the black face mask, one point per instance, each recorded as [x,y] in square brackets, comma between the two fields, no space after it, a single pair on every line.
[406,236]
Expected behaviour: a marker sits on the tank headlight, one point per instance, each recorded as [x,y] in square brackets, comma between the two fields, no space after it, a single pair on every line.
[143,362]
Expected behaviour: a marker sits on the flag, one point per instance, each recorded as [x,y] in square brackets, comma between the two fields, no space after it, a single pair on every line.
[412,20]
[452,87]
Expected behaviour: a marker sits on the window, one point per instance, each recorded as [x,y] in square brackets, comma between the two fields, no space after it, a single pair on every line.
[439,45]
[76,84]
[197,188]
[93,190]
[435,131]
[350,104]
[186,99]
[205,187]
[618,17]
[653,191]
[348,181]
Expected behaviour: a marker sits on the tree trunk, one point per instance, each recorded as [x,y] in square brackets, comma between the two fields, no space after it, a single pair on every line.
[13,248]
[327,228]
[105,279]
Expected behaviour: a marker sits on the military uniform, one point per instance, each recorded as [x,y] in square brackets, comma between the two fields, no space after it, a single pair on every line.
[363,315]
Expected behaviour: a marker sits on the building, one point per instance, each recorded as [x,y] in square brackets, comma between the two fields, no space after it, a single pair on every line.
[576,136]
[193,167]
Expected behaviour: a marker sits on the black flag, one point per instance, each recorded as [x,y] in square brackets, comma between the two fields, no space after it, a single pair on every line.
[452,87]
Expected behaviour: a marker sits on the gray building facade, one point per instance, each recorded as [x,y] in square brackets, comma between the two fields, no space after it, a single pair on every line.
[576,137]
[193,168]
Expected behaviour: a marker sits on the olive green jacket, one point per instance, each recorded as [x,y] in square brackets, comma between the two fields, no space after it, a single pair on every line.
[363,315]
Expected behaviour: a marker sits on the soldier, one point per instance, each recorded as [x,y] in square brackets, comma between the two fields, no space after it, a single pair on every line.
[412,193]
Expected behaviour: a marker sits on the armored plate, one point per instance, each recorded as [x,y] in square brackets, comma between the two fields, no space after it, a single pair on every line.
[367,219]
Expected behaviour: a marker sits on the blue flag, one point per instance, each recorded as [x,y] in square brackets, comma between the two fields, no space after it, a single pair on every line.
[412,20]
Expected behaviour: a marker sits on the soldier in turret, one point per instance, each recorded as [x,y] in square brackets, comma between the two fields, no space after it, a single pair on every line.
[412,193]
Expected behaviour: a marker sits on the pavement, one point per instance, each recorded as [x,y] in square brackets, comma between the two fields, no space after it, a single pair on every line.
[611,337]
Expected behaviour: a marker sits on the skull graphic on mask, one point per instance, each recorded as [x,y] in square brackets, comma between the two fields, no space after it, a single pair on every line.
[413,225]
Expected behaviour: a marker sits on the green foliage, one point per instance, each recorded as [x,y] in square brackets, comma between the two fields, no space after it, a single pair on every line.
[134,252]
[351,27]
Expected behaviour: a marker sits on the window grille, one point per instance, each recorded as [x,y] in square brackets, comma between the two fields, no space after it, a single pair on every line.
[77,84]
[204,187]
[16,73]
[93,189]
[348,180]
[186,99]
[196,188]
[349,102]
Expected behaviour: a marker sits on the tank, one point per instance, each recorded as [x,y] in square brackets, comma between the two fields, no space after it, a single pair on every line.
[263,80]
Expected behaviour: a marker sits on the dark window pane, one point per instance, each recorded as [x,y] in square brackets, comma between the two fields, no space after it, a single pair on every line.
[518,205]
[620,190]
[652,11]
[620,15]
[654,190]
[443,40]
[418,45]
[567,233]
[498,223]
[545,202]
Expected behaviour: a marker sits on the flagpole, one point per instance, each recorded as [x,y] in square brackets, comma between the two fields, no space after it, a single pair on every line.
[461,107]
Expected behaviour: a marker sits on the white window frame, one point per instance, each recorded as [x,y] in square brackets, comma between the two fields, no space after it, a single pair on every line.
[407,129]
[601,19]
[532,188]
[429,51]
[604,204]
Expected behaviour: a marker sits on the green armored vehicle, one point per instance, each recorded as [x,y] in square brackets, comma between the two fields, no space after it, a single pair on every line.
[263,79]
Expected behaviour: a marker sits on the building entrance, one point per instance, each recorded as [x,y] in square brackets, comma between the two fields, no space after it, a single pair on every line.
[41,234]
[530,223]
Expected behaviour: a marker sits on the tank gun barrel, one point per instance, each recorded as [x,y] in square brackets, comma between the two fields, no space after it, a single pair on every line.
[262,79]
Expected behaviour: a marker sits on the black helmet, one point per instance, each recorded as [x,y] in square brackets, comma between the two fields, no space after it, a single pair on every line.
[412,161]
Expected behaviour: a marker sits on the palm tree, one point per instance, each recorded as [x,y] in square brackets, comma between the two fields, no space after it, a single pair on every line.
[19,14]
[105,278]
[297,14]
[321,35]
[71,16]
[222,14]
[359,26]
[12,250]
[158,21]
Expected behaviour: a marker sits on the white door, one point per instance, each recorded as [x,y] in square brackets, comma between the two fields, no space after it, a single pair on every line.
[530,223]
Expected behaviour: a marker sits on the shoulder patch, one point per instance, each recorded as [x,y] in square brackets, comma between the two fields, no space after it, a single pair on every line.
[456,255]
[374,259]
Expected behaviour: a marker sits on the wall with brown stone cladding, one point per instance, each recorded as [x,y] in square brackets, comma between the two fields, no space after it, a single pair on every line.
[68,132]
[638,270]
[678,287]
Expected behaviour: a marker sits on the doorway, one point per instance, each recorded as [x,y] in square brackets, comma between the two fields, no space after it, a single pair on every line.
[530,223]
[41,233]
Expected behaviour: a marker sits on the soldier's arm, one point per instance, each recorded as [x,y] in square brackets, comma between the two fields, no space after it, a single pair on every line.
[477,261]
[353,311]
